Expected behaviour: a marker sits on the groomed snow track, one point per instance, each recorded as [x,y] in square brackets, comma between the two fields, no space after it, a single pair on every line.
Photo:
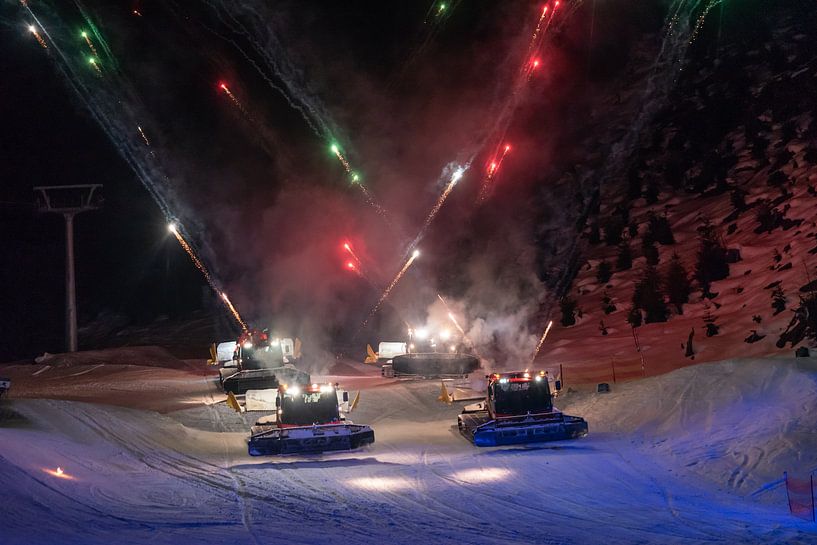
[135,476]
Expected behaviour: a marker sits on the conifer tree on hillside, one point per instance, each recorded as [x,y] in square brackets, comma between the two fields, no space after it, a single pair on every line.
[648,296]
[625,257]
[677,284]
[612,226]
[711,264]
[568,307]
[659,229]
[604,272]
[649,250]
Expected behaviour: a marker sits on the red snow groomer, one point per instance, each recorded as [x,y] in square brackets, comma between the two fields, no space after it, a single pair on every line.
[518,408]
[308,419]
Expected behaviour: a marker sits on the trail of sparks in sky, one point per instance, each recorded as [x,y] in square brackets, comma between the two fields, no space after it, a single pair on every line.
[90,45]
[173,228]
[36,34]
[493,168]
[348,248]
[415,254]
[233,310]
[542,340]
[701,18]
[455,177]
[93,62]
[144,137]
[233,99]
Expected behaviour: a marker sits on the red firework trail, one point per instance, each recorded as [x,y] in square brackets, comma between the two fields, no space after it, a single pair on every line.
[232,97]
[348,248]
[493,168]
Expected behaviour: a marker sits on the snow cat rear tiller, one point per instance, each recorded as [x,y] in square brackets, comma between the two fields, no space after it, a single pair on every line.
[518,408]
[308,419]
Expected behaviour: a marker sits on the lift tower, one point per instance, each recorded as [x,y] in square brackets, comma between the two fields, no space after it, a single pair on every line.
[69,200]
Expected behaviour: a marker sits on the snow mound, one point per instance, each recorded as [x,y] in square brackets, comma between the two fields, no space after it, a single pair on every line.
[151,356]
[738,423]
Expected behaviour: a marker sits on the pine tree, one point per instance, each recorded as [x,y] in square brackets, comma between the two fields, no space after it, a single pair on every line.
[607,304]
[568,307]
[710,327]
[677,284]
[634,317]
[625,257]
[649,297]
[778,300]
[605,271]
[612,227]
[649,250]
[712,264]
[660,230]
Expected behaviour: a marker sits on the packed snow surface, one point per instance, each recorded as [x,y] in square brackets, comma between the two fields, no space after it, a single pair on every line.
[693,456]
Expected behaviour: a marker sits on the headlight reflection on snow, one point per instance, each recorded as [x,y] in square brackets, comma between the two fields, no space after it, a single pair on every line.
[380,484]
[59,473]
[482,475]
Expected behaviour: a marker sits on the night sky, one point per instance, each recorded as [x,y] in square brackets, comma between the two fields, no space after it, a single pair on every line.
[258,192]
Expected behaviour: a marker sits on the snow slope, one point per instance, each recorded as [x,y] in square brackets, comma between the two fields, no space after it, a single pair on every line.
[185,477]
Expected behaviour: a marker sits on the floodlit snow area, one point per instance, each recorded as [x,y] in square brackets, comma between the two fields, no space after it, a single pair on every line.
[693,456]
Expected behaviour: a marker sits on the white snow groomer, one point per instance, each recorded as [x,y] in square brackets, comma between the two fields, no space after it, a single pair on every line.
[432,356]
[308,419]
[518,408]
[259,362]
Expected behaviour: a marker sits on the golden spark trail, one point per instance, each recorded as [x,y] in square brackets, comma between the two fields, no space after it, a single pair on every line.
[541,341]
[451,316]
[36,34]
[223,87]
[144,137]
[456,177]
[233,310]
[200,266]
[391,286]
[90,45]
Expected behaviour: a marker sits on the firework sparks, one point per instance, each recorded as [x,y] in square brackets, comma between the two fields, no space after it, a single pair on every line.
[491,171]
[90,44]
[95,64]
[36,34]
[542,340]
[348,248]
[456,177]
[233,311]
[336,150]
[414,255]
[232,97]
[173,228]
[144,137]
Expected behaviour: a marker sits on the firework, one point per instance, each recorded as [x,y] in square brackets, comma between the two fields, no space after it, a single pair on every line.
[541,341]
[348,248]
[95,64]
[414,255]
[144,137]
[233,99]
[491,171]
[90,44]
[456,177]
[233,311]
[701,18]
[36,34]
[353,176]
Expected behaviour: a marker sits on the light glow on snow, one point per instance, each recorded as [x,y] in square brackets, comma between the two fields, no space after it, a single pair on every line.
[381,484]
[59,473]
[483,474]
